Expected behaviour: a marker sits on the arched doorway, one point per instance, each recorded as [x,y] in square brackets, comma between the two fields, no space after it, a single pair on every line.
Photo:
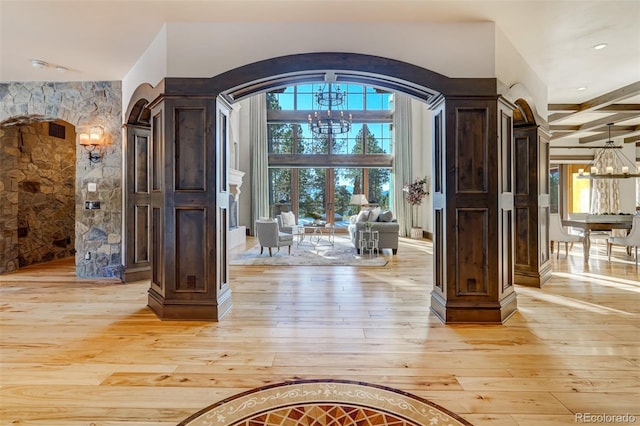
[137,210]
[84,106]
[473,176]
[38,191]
[532,203]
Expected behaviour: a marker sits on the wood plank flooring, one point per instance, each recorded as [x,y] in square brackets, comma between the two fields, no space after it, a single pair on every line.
[89,352]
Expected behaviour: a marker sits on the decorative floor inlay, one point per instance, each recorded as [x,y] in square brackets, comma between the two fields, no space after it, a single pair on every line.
[324,403]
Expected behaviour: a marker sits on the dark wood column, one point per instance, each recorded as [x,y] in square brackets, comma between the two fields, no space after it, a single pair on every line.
[186,217]
[473,210]
[533,264]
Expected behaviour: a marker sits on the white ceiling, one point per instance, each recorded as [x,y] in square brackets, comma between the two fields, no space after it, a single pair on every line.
[101,40]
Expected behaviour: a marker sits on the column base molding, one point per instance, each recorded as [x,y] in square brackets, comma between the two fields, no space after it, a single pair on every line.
[534,279]
[472,312]
[192,310]
[137,274]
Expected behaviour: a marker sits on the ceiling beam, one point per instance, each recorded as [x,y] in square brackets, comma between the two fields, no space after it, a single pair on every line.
[619,132]
[615,118]
[632,139]
[620,108]
[598,102]
[599,125]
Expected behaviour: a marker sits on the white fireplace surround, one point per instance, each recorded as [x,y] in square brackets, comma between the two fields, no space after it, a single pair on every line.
[238,235]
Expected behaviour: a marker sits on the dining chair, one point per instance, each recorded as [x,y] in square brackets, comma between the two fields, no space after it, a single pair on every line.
[269,236]
[632,240]
[559,235]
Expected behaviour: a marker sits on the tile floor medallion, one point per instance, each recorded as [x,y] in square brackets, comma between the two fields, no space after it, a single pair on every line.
[324,403]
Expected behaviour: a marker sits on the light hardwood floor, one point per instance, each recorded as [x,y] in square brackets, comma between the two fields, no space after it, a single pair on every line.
[88,352]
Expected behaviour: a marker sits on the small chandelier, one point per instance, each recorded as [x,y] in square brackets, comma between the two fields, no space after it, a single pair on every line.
[330,122]
[330,95]
[609,162]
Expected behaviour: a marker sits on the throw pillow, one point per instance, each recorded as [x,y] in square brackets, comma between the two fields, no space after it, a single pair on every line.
[385,216]
[288,219]
[363,216]
[373,217]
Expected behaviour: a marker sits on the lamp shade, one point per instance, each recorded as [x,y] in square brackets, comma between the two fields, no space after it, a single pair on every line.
[84,139]
[358,199]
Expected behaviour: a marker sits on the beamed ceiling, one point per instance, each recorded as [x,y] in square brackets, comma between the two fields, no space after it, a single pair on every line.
[589,121]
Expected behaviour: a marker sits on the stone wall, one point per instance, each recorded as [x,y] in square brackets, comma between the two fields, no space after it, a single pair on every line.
[45,168]
[98,233]
[9,185]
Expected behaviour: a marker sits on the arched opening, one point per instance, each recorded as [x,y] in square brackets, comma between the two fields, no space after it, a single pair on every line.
[90,107]
[39,208]
[532,200]
[137,212]
[189,164]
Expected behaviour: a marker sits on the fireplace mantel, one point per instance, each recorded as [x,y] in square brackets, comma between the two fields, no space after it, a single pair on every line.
[237,235]
[235,181]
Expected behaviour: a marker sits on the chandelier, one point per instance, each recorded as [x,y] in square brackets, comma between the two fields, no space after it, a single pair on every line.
[330,122]
[609,162]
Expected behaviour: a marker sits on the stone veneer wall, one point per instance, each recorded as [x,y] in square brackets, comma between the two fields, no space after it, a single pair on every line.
[45,167]
[84,105]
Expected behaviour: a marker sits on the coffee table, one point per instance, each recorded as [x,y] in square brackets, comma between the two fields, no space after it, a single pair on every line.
[317,235]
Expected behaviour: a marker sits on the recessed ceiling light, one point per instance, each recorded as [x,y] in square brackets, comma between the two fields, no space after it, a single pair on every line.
[60,68]
[600,46]
[580,89]
[37,63]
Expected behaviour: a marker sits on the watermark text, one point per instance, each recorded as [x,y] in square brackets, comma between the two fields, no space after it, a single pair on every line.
[604,418]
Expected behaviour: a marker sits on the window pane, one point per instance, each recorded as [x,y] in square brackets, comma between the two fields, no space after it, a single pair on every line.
[580,190]
[554,181]
[280,194]
[379,186]
[347,183]
[310,143]
[379,138]
[375,100]
[311,188]
[280,138]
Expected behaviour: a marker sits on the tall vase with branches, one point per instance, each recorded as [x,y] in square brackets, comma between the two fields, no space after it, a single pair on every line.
[415,193]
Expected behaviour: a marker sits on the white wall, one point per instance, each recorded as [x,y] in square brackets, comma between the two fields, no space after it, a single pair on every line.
[150,68]
[208,49]
[422,136]
[513,70]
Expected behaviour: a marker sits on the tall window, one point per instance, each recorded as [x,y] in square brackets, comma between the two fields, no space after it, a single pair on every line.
[316,175]
[579,200]
[554,188]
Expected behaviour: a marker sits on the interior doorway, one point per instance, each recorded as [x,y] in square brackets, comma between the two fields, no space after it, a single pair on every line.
[39,210]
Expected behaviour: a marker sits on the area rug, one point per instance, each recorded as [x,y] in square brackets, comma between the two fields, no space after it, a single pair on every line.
[341,253]
[324,403]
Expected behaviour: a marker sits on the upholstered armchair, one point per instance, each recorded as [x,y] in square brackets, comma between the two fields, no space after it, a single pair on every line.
[269,236]
[287,221]
[559,235]
[631,241]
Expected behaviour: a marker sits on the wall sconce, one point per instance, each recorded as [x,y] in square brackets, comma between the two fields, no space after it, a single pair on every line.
[92,142]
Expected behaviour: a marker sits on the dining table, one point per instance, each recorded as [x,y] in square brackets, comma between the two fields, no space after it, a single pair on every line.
[598,222]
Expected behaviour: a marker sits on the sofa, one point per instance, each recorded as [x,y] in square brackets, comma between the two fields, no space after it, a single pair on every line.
[383,222]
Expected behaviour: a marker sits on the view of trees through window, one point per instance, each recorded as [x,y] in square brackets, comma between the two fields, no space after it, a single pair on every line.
[317,175]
